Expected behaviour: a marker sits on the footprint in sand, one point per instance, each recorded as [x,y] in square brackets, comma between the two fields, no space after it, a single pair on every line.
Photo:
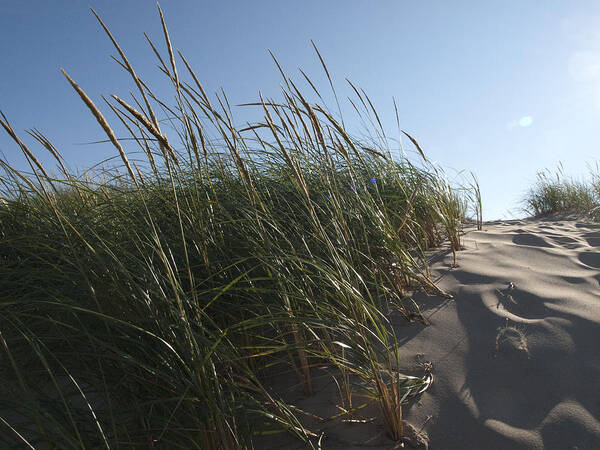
[566,242]
[590,259]
[593,239]
[530,240]
[586,225]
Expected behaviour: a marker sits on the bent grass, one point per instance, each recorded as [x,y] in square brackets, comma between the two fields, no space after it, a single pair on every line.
[555,193]
[146,310]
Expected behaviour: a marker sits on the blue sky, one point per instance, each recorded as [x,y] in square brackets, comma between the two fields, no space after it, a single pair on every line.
[502,88]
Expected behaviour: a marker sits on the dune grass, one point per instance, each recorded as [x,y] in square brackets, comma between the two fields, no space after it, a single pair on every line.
[556,193]
[146,305]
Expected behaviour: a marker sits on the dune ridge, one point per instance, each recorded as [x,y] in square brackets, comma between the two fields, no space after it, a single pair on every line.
[523,367]
[514,353]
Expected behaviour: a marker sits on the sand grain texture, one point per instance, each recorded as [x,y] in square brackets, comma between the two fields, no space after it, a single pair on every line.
[515,354]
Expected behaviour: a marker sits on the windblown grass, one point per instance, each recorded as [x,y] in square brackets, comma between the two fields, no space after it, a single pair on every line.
[145,310]
[555,193]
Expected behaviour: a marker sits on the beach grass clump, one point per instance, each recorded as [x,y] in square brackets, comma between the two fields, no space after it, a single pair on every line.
[555,193]
[476,201]
[149,305]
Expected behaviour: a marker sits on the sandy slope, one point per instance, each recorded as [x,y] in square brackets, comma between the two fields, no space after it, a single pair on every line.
[515,354]
[517,366]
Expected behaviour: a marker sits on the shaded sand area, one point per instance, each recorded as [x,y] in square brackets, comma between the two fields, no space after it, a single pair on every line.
[515,354]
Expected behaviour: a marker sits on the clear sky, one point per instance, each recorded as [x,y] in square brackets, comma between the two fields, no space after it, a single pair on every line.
[502,88]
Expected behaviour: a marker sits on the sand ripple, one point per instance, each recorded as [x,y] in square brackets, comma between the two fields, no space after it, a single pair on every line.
[516,353]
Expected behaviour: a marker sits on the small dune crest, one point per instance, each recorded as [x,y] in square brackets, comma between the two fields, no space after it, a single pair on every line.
[515,351]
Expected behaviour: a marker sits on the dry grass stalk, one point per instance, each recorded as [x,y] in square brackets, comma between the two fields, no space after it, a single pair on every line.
[102,121]
[149,126]
[129,69]
[269,284]
[30,156]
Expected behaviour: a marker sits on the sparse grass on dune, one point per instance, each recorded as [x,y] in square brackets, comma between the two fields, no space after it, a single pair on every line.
[144,309]
[554,193]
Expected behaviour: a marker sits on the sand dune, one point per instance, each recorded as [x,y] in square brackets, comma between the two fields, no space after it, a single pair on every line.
[515,354]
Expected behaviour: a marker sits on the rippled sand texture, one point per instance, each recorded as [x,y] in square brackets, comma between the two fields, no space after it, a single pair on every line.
[516,353]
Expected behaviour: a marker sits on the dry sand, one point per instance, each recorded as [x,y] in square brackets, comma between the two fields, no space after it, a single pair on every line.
[515,354]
